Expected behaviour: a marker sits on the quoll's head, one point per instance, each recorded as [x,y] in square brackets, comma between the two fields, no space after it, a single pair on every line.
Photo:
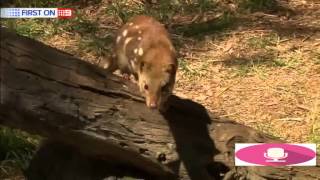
[156,80]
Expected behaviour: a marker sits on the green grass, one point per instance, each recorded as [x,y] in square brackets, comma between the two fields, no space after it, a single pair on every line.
[163,10]
[243,70]
[46,28]
[263,42]
[17,149]
[314,119]
[95,44]
[278,62]
[208,27]
[38,3]
[123,10]
[251,68]
[194,72]
[256,5]
[260,65]
[266,57]
[32,28]
[293,61]
[77,25]
[315,138]
[35,28]
[184,66]
[255,64]
[267,129]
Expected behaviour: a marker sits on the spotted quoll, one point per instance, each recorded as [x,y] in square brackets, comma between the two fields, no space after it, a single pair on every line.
[143,48]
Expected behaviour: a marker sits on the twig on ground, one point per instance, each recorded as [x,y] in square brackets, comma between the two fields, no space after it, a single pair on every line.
[303,107]
[290,119]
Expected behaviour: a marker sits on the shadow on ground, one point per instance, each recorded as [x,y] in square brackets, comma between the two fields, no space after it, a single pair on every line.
[194,145]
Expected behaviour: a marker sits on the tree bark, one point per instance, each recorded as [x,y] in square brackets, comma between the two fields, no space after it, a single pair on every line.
[48,92]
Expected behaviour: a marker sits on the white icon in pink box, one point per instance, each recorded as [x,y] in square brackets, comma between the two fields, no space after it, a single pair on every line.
[275,155]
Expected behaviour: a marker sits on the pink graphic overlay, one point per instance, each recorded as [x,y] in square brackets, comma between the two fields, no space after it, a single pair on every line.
[275,154]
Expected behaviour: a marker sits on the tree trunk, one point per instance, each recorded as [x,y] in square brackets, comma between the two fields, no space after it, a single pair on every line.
[48,92]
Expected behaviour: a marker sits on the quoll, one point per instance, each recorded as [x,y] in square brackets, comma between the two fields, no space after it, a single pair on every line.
[144,49]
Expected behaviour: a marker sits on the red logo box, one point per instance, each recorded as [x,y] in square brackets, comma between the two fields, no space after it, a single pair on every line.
[64,13]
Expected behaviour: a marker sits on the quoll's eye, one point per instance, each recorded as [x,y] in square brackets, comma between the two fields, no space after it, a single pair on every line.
[146,87]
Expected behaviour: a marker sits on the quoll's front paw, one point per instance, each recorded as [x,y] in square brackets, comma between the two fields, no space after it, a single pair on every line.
[126,76]
[164,107]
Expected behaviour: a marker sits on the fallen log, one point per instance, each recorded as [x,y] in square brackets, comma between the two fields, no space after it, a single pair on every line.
[98,115]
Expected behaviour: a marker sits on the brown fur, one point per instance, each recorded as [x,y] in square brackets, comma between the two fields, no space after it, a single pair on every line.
[143,48]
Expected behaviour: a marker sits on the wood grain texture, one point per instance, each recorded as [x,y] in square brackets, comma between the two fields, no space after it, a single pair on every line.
[48,92]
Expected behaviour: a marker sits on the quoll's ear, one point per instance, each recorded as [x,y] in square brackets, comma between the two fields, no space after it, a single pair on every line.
[171,68]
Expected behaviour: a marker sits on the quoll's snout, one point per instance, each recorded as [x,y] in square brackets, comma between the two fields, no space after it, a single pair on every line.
[151,102]
[153,105]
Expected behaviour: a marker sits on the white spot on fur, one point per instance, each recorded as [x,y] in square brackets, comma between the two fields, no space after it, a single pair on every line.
[139,31]
[136,27]
[133,64]
[139,38]
[118,39]
[124,33]
[105,66]
[130,24]
[140,52]
[135,50]
[127,41]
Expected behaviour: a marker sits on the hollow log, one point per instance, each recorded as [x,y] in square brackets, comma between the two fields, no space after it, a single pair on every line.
[85,111]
